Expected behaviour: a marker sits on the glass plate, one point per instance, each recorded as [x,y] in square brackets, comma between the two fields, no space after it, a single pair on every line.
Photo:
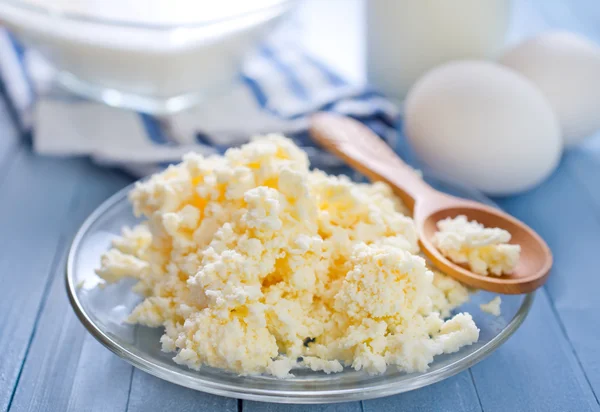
[102,312]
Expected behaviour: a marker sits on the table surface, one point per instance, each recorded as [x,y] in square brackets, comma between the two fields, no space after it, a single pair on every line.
[48,361]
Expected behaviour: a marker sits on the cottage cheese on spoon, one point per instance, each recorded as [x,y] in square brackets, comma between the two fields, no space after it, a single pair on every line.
[484,250]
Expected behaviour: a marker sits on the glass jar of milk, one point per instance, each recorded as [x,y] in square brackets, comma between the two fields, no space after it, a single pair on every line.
[406,38]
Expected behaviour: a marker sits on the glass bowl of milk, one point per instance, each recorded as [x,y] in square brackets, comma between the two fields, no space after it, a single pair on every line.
[155,56]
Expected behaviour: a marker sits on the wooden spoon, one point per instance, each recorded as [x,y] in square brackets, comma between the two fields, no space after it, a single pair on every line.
[366,152]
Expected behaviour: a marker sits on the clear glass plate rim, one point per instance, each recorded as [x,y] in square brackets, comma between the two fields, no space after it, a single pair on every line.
[272,395]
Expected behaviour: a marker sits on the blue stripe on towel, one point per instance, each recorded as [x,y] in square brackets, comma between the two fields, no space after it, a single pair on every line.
[293,82]
[20,53]
[303,139]
[385,112]
[332,77]
[369,108]
[205,140]
[377,115]
[256,90]
[153,129]
[19,50]
[376,126]
[364,107]
[374,111]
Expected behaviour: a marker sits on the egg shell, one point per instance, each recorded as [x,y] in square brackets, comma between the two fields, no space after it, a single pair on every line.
[566,68]
[484,125]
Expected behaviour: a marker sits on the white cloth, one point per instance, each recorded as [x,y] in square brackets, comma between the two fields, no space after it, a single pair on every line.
[279,87]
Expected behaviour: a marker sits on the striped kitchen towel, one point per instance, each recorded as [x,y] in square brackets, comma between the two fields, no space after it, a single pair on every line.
[280,87]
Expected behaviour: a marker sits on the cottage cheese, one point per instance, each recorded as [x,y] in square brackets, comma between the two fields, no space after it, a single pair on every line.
[492,307]
[255,264]
[485,250]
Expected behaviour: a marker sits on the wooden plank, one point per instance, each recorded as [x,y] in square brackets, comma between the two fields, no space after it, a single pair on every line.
[52,360]
[535,371]
[91,378]
[9,137]
[456,394]
[149,393]
[252,406]
[102,379]
[35,197]
[565,214]
[576,303]
[583,162]
[55,363]
[8,147]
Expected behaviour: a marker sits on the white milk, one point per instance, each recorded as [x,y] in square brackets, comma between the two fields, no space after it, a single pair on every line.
[155,63]
[405,38]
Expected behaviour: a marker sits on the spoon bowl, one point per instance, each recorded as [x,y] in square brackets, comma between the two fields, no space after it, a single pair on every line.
[366,152]
[534,260]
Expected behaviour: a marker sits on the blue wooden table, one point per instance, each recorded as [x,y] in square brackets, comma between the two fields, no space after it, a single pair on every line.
[49,363]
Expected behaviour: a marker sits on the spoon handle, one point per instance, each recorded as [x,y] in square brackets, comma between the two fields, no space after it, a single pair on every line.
[367,153]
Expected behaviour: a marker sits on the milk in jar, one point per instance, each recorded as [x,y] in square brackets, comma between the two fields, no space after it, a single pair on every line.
[406,38]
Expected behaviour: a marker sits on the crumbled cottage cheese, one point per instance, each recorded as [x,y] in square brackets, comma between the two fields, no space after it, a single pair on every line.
[254,264]
[484,250]
[492,307]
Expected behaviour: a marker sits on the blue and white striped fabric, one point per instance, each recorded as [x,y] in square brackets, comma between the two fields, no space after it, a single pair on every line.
[280,87]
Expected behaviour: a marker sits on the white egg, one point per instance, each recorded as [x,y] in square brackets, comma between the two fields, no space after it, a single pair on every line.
[484,125]
[566,68]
